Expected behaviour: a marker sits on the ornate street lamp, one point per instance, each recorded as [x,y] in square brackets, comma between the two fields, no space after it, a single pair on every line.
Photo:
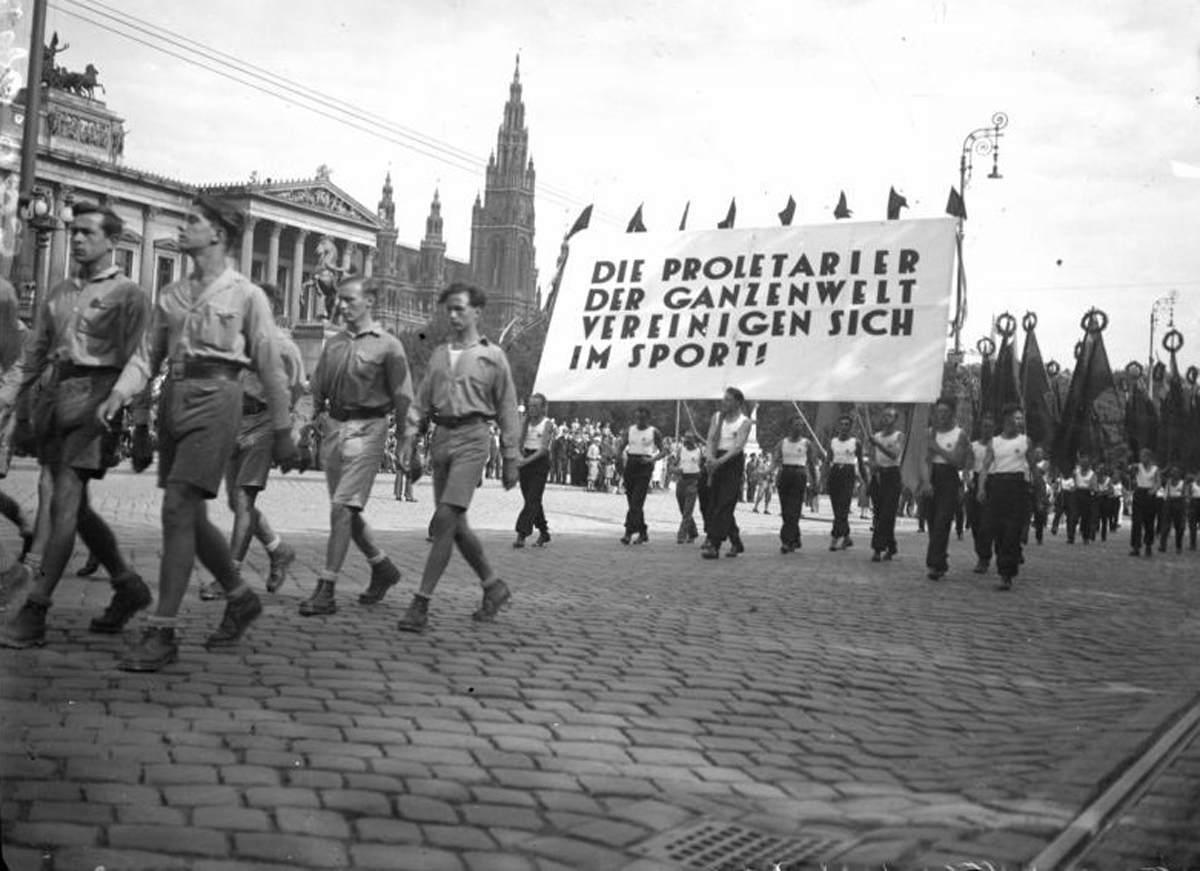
[1167,304]
[983,141]
[38,214]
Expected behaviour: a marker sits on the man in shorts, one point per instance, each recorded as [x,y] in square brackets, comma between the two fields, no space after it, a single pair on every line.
[250,465]
[206,328]
[87,329]
[362,376]
[467,385]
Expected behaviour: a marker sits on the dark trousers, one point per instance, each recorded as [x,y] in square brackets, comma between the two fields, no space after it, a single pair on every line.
[1193,522]
[1004,515]
[1173,513]
[1142,528]
[1081,513]
[792,483]
[723,492]
[533,486]
[946,486]
[841,494]
[637,484]
[686,491]
[887,504]
[982,535]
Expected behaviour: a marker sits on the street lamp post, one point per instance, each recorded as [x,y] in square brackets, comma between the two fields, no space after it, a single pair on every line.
[39,216]
[983,141]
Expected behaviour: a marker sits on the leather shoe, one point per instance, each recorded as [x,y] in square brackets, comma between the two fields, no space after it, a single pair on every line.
[157,647]
[130,595]
[321,602]
[384,576]
[239,614]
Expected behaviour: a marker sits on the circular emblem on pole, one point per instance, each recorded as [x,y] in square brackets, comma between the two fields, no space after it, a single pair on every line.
[986,346]
[1078,349]
[1173,340]
[1095,321]
[1006,325]
[1052,368]
[1029,322]
[1193,375]
[1134,369]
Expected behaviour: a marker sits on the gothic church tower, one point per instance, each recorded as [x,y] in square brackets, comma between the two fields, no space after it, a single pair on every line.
[502,225]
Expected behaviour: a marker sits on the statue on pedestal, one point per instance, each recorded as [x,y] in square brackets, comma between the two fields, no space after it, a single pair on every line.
[325,278]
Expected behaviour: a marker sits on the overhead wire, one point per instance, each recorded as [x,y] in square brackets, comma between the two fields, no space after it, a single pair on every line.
[269,83]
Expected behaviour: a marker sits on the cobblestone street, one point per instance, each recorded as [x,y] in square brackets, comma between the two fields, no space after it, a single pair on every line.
[812,706]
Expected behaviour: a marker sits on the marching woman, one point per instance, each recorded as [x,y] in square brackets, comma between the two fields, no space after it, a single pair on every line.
[1146,480]
[1004,491]
[845,472]
[888,445]
[534,465]
[794,458]
[725,462]
[948,452]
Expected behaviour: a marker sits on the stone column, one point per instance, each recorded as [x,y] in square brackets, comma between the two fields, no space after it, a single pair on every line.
[297,275]
[273,254]
[248,247]
[60,239]
[347,256]
[368,262]
[146,271]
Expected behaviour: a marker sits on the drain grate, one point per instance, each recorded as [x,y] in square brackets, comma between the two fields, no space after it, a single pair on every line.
[710,845]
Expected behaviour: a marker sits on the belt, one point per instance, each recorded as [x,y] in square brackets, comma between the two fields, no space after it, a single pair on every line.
[449,422]
[69,369]
[342,414]
[205,369]
[250,405]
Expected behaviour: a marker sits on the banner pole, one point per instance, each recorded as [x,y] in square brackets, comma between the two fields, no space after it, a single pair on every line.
[808,426]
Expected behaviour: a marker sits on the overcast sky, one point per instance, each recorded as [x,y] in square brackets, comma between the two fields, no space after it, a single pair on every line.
[666,102]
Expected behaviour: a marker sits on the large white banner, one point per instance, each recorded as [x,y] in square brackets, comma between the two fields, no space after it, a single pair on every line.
[846,311]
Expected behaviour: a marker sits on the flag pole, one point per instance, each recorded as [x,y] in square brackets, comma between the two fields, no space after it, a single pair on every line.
[808,426]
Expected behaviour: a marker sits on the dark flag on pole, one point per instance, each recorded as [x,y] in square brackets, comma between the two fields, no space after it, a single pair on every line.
[1141,417]
[635,223]
[1093,417]
[982,402]
[1035,387]
[1005,382]
[581,223]
[789,212]
[895,204]
[955,207]
[727,224]
[842,210]
[1173,420]
[683,220]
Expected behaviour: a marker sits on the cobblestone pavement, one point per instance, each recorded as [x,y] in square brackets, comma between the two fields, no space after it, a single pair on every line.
[821,705]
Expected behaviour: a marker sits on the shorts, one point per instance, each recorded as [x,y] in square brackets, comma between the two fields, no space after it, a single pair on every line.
[199,421]
[457,458]
[351,453]
[68,432]
[250,464]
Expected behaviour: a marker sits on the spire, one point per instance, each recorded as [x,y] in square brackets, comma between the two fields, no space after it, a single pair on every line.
[387,208]
[433,224]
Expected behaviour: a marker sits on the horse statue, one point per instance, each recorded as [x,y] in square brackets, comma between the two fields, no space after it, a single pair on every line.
[326,278]
[82,84]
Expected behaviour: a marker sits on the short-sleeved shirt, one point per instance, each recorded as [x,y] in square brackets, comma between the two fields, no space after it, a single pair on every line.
[96,322]
[364,371]
[228,321]
[479,382]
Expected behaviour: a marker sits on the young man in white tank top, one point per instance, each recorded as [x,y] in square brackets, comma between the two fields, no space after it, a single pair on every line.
[537,436]
[725,461]
[641,445]
[793,457]
[888,448]
[1003,491]
[947,453]
[689,463]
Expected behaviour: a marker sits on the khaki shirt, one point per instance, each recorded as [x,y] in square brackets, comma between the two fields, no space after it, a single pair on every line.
[90,322]
[228,322]
[479,383]
[293,366]
[366,371]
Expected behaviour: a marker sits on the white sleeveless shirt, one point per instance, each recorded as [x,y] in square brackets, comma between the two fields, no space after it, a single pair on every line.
[947,441]
[1010,455]
[729,430]
[844,451]
[641,441]
[794,453]
[534,434]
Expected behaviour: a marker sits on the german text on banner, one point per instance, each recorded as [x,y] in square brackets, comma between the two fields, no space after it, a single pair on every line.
[848,311]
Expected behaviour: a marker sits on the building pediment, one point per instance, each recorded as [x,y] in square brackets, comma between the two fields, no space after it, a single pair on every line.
[320,196]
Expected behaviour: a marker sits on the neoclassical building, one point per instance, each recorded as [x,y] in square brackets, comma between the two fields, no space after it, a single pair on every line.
[291,224]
